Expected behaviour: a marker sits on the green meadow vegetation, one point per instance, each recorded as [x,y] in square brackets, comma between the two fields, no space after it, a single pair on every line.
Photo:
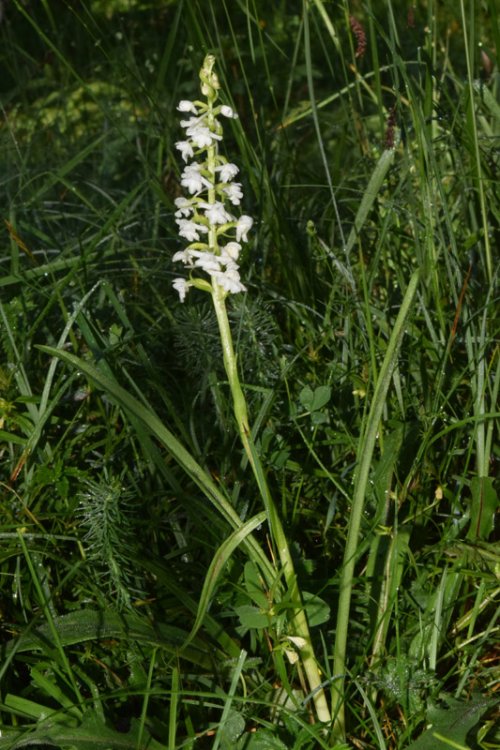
[262,520]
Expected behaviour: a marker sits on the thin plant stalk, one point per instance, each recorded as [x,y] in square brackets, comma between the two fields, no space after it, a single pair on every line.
[299,619]
[174,704]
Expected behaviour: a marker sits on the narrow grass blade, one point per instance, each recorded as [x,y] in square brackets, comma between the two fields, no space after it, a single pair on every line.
[145,703]
[365,454]
[220,558]
[58,645]
[172,714]
[372,190]
[229,700]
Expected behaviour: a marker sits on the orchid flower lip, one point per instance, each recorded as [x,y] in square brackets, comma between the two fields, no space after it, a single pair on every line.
[192,180]
[227,172]
[208,262]
[182,202]
[190,230]
[216,212]
[202,136]
[232,250]
[230,281]
[243,227]
[181,286]
[185,148]
[184,207]
[192,122]
[234,193]
[184,256]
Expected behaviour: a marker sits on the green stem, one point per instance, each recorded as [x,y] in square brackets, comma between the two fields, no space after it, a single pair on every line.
[299,619]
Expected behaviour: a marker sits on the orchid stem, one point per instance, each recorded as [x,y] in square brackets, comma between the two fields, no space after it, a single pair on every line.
[299,619]
[203,219]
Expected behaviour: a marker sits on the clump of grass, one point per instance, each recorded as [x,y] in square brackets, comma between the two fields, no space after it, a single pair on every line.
[360,170]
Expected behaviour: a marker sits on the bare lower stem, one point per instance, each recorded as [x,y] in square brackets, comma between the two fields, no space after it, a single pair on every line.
[299,620]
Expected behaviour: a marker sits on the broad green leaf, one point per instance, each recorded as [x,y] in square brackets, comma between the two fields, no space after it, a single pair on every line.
[253,585]
[253,617]
[306,397]
[370,194]
[316,399]
[262,739]
[317,609]
[384,469]
[50,687]
[88,625]
[233,728]
[486,97]
[452,723]
[20,706]
[11,438]
[484,506]
[92,734]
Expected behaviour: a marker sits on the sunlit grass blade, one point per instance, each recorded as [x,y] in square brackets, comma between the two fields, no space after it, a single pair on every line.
[370,195]
[365,454]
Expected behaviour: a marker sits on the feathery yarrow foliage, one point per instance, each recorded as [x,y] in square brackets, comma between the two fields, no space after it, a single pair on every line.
[109,539]
[214,233]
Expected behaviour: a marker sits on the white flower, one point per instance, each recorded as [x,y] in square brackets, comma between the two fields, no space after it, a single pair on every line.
[186,106]
[181,286]
[190,230]
[200,135]
[208,262]
[243,227]
[230,252]
[184,256]
[233,192]
[230,281]
[227,172]
[216,213]
[184,207]
[185,148]
[199,132]
[192,180]
[191,123]
[228,112]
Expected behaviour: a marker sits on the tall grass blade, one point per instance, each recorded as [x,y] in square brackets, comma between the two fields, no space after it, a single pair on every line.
[216,566]
[365,455]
